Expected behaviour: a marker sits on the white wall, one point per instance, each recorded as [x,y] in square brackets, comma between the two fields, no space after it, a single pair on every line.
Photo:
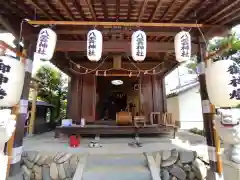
[186,107]
[191,109]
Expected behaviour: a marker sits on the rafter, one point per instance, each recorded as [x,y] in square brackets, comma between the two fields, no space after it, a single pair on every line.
[53,10]
[236,16]
[222,18]
[79,9]
[130,7]
[211,9]
[66,9]
[195,9]
[37,6]
[168,10]
[117,10]
[159,4]
[90,6]
[5,23]
[226,8]
[144,4]
[104,7]
[181,9]
[24,9]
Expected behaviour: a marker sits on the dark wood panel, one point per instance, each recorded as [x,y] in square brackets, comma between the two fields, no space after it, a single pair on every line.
[159,95]
[164,96]
[111,130]
[89,97]
[75,100]
[146,95]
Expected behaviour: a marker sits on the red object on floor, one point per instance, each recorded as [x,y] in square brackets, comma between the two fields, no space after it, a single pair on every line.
[74,141]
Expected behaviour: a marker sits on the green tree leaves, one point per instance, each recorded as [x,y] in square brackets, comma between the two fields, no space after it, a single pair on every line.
[54,90]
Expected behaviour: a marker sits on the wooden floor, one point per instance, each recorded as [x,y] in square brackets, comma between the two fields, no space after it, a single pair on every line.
[112,130]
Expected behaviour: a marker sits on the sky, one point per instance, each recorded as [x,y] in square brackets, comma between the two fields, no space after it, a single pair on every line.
[172,80]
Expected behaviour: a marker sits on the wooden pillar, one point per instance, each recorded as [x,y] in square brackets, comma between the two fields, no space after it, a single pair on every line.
[88,104]
[164,95]
[68,98]
[33,109]
[206,108]
[21,118]
[75,99]
[159,94]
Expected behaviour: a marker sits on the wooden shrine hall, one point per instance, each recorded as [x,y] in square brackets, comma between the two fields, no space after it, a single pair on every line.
[91,94]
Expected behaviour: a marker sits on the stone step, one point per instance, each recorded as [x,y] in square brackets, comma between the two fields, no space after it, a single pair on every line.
[116,160]
[117,167]
[117,173]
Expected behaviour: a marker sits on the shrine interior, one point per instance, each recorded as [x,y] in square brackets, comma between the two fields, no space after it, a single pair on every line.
[113,98]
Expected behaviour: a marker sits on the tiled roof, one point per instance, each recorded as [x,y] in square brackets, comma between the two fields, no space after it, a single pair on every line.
[182,89]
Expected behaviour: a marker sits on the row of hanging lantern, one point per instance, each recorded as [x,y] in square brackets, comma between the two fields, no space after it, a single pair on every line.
[95,44]
[47,39]
[182,45]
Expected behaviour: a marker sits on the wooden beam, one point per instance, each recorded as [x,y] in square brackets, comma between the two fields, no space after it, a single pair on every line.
[130,7]
[144,4]
[195,9]
[136,24]
[157,32]
[79,8]
[115,46]
[231,19]
[117,10]
[5,23]
[37,6]
[229,7]
[159,4]
[169,8]
[181,9]
[66,9]
[104,7]
[234,14]
[89,4]
[209,10]
[60,17]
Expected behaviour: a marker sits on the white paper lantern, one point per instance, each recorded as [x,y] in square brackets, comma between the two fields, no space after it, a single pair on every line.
[11,80]
[182,45]
[223,83]
[46,44]
[94,45]
[139,45]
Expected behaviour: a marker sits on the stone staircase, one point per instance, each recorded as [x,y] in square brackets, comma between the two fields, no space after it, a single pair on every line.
[116,167]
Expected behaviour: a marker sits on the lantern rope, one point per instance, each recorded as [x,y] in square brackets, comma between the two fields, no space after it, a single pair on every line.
[88,71]
[97,70]
[204,39]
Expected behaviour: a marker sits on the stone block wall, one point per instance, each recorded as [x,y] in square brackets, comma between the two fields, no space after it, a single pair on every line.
[174,165]
[41,166]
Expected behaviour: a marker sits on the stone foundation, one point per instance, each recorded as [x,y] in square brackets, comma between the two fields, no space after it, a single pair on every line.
[174,165]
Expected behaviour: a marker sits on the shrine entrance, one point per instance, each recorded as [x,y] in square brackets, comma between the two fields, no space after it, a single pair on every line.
[116,94]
